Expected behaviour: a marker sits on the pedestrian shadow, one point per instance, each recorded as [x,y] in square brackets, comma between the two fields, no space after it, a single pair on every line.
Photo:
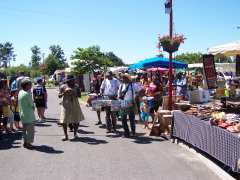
[88,140]
[146,140]
[52,120]
[8,141]
[42,125]
[47,149]
[103,126]
[83,126]
[80,131]
[118,135]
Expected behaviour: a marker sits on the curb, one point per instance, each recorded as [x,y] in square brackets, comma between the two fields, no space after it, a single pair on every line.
[210,164]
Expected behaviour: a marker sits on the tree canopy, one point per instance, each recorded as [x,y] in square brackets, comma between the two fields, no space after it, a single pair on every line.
[55,60]
[36,57]
[58,53]
[6,54]
[51,64]
[190,58]
[91,58]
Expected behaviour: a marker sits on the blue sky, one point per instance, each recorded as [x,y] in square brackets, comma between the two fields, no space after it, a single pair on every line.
[129,28]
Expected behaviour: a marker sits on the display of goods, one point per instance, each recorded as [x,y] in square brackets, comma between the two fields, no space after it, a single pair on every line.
[97,105]
[218,115]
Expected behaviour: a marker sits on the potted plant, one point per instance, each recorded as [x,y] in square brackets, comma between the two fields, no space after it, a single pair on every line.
[170,45]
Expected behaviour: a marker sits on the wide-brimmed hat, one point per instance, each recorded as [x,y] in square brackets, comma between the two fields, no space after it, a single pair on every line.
[127,76]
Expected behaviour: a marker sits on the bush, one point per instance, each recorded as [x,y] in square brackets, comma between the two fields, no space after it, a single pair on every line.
[11,71]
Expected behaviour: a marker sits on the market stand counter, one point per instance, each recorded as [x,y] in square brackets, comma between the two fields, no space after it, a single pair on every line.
[215,141]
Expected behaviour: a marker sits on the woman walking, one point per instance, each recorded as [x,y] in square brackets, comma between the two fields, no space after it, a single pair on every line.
[71,112]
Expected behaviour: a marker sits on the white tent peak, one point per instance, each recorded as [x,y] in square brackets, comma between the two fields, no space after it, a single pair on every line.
[229,49]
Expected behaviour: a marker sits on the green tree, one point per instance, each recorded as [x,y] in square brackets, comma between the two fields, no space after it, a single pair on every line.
[51,64]
[58,53]
[36,57]
[190,58]
[6,54]
[88,59]
[115,60]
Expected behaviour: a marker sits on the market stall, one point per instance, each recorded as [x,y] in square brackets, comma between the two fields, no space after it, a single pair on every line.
[212,124]
[157,62]
[214,140]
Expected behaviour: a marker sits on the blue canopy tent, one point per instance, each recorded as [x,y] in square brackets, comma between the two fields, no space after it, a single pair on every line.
[157,62]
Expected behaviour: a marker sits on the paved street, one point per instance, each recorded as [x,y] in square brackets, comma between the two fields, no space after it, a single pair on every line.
[95,155]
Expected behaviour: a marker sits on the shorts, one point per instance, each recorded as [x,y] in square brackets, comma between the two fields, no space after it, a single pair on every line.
[144,116]
[40,104]
[17,117]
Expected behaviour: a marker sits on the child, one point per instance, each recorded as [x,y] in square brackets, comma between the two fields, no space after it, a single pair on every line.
[144,112]
[15,108]
[5,100]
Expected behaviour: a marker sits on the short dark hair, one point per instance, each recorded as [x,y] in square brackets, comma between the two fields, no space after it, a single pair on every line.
[24,84]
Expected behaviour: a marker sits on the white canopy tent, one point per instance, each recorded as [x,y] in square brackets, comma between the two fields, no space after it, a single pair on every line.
[229,49]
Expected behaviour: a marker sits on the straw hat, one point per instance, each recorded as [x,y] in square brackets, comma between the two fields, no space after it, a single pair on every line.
[127,76]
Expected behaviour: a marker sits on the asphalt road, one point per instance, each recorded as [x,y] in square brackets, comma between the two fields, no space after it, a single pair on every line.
[96,155]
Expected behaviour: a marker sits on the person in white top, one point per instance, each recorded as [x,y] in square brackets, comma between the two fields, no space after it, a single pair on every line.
[128,91]
[109,88]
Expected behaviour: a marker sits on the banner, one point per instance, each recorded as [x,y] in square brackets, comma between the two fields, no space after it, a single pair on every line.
[238,65]
[210,71]
[168,7]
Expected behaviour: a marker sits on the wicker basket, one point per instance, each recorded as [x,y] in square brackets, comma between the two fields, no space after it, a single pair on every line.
[170,48]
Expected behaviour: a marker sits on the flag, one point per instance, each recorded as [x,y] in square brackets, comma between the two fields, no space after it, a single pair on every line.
[168,7]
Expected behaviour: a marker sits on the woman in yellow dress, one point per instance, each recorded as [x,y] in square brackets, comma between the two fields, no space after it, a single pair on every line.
[71,112]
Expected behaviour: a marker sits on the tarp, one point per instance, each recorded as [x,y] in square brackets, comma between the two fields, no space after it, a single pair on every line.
[157,69]
[229,49]
[157,62]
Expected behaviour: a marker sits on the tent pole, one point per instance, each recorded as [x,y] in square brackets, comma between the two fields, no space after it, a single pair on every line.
[170,59]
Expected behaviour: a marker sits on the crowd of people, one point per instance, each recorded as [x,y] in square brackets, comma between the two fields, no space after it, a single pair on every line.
[143,94]
[19,98]
[17,106]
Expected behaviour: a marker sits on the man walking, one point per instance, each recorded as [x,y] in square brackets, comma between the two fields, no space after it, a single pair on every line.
[27,116]
[109,88]
[127,92]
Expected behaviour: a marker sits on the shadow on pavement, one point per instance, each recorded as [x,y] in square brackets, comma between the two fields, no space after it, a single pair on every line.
[145,140]
[47,149]
[103,126]
[88,140]
[42,125]
[80,131]
[119,134]
[83,125]
[8,141]
[52,120]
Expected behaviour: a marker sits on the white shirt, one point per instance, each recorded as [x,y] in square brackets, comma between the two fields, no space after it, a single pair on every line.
[110,87]
[131,91]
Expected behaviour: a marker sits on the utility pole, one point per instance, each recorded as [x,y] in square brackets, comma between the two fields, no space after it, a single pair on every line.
[170,73]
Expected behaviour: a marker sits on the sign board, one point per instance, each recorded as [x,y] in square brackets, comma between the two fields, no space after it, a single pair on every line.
[210,71]
[238,65]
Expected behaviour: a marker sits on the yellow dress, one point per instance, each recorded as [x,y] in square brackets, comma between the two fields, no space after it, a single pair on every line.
[71,111]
